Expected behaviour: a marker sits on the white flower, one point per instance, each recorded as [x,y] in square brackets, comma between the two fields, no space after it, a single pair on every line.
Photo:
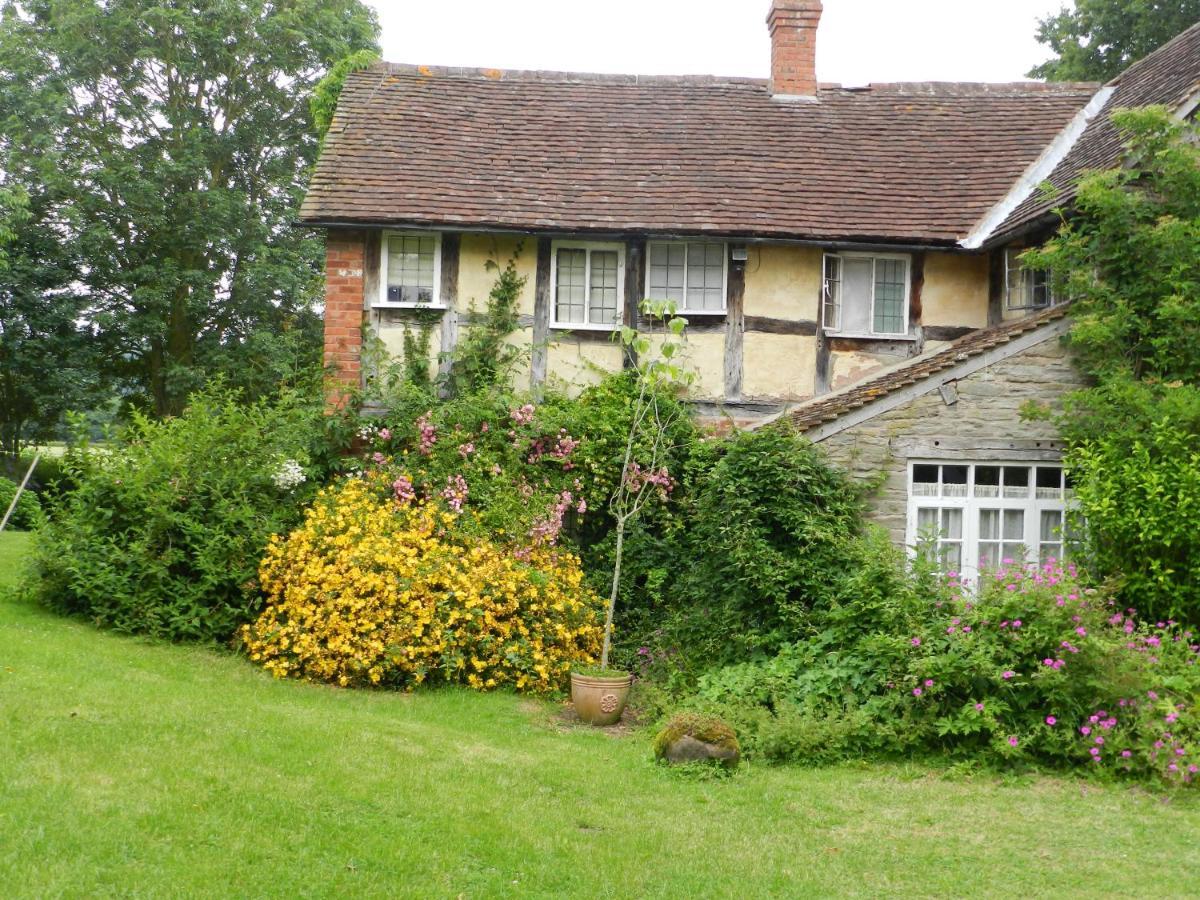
[289,476]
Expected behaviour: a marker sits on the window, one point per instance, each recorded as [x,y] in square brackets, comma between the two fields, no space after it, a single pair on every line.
[977,515]
[865,295]
[411,269]
[1025,288]
[588,284]
[692,273]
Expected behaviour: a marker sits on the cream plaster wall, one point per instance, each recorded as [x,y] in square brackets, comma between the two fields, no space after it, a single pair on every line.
[475,280]
[577,364]
[955,290]
[783,282]
[392,336]
[778,366]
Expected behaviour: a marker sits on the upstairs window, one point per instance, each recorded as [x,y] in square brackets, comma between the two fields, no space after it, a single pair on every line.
[1025,287]
[691,273]
[411,266]
[588,282]
[865,295]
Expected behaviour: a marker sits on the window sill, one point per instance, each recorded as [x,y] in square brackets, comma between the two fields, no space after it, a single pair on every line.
[581,326]
[870,337]
[701,312]
[438,307]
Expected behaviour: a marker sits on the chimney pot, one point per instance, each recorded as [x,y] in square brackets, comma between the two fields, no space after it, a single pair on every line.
[793,27]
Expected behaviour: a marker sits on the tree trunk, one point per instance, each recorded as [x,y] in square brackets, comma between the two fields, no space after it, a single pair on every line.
[612,597]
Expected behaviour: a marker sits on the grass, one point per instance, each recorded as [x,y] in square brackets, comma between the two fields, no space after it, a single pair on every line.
[142,768]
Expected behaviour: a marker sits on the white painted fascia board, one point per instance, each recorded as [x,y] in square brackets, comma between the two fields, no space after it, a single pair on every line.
[1039,170]
[928,384]
[1189,105]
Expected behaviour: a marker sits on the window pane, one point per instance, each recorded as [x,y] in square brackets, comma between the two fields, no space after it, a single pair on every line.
[987,481]
[952,557]
[569,299]
[857,273]
[989,524]
[831,311]
[1016,481]
[410,268]
[952,524]
[667,273]
[1049,482]
[927,522]
[889,296]
[603,305]
[925,481]
[954,481]
[1050,528]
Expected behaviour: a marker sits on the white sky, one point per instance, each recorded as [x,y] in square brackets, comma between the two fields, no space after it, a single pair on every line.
[859,40]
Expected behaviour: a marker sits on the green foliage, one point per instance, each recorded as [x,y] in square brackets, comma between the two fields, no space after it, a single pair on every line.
[325,93]
[1130,261]
[484,358]
[170,145]
[165,526]
[1097,39]
[29,510]
[1138,493]
[769,528]
[1032,668]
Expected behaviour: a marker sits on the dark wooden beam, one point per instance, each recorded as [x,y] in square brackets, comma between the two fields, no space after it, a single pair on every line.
[947,332]
[996,287]
[541,315]
[768,325]
[635,278]
[451,244]
[735,328]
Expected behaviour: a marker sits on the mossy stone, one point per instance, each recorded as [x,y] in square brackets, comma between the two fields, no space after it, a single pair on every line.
[691,737]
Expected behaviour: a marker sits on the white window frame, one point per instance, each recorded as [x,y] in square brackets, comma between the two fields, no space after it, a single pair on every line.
[1014,267]
[436,301]
[836,330]
[691,311]
[971,505]
[589,246]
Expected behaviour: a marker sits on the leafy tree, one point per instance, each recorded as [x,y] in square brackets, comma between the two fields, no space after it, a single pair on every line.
[184,133]
[1099,38]
[1129,258]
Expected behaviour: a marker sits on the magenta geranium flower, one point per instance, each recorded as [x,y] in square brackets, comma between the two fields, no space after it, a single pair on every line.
[1050,720]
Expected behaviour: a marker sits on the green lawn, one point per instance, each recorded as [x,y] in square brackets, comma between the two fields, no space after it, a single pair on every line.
[129,767]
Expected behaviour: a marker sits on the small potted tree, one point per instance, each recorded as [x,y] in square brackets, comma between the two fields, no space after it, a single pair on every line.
[600,695]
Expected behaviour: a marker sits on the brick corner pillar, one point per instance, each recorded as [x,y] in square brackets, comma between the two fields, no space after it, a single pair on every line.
[344,275]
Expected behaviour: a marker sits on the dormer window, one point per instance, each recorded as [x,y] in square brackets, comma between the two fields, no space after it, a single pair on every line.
[1025,287]
[865,295]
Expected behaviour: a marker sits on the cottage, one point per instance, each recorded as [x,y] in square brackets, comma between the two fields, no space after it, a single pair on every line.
[846,257]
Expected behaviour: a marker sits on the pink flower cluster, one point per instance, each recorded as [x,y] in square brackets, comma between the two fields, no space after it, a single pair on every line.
[546,529]
[402,489]
[455,492]
[562,447]
[637,477]
[523,415]
[428,434]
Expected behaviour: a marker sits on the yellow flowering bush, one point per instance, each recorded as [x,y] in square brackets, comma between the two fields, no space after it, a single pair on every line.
[375,592]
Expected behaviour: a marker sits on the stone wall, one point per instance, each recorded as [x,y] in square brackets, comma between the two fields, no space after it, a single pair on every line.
[984,422]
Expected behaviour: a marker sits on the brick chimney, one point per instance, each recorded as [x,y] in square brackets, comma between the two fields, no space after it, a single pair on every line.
[793,26]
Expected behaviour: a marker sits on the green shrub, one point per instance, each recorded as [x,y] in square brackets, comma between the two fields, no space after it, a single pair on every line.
[1030,668]
[165,527]
[1137,492]
[28,512]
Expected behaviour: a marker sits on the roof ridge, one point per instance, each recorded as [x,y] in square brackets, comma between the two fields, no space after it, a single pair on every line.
[1162,48]
[556,76]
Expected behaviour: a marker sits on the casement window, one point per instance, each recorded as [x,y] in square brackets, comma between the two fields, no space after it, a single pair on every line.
[410,266]
[587,284]
[692,273]
[1025,287]
[865,295]
[975,516]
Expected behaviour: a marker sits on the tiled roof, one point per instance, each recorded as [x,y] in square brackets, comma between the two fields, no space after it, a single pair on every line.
[917,163]
[1169,75]
[827,408]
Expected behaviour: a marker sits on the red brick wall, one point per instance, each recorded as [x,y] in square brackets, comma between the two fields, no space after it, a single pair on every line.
[344,251]
[793,26]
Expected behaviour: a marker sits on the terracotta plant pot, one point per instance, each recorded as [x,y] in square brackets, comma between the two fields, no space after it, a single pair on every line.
[600,699]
